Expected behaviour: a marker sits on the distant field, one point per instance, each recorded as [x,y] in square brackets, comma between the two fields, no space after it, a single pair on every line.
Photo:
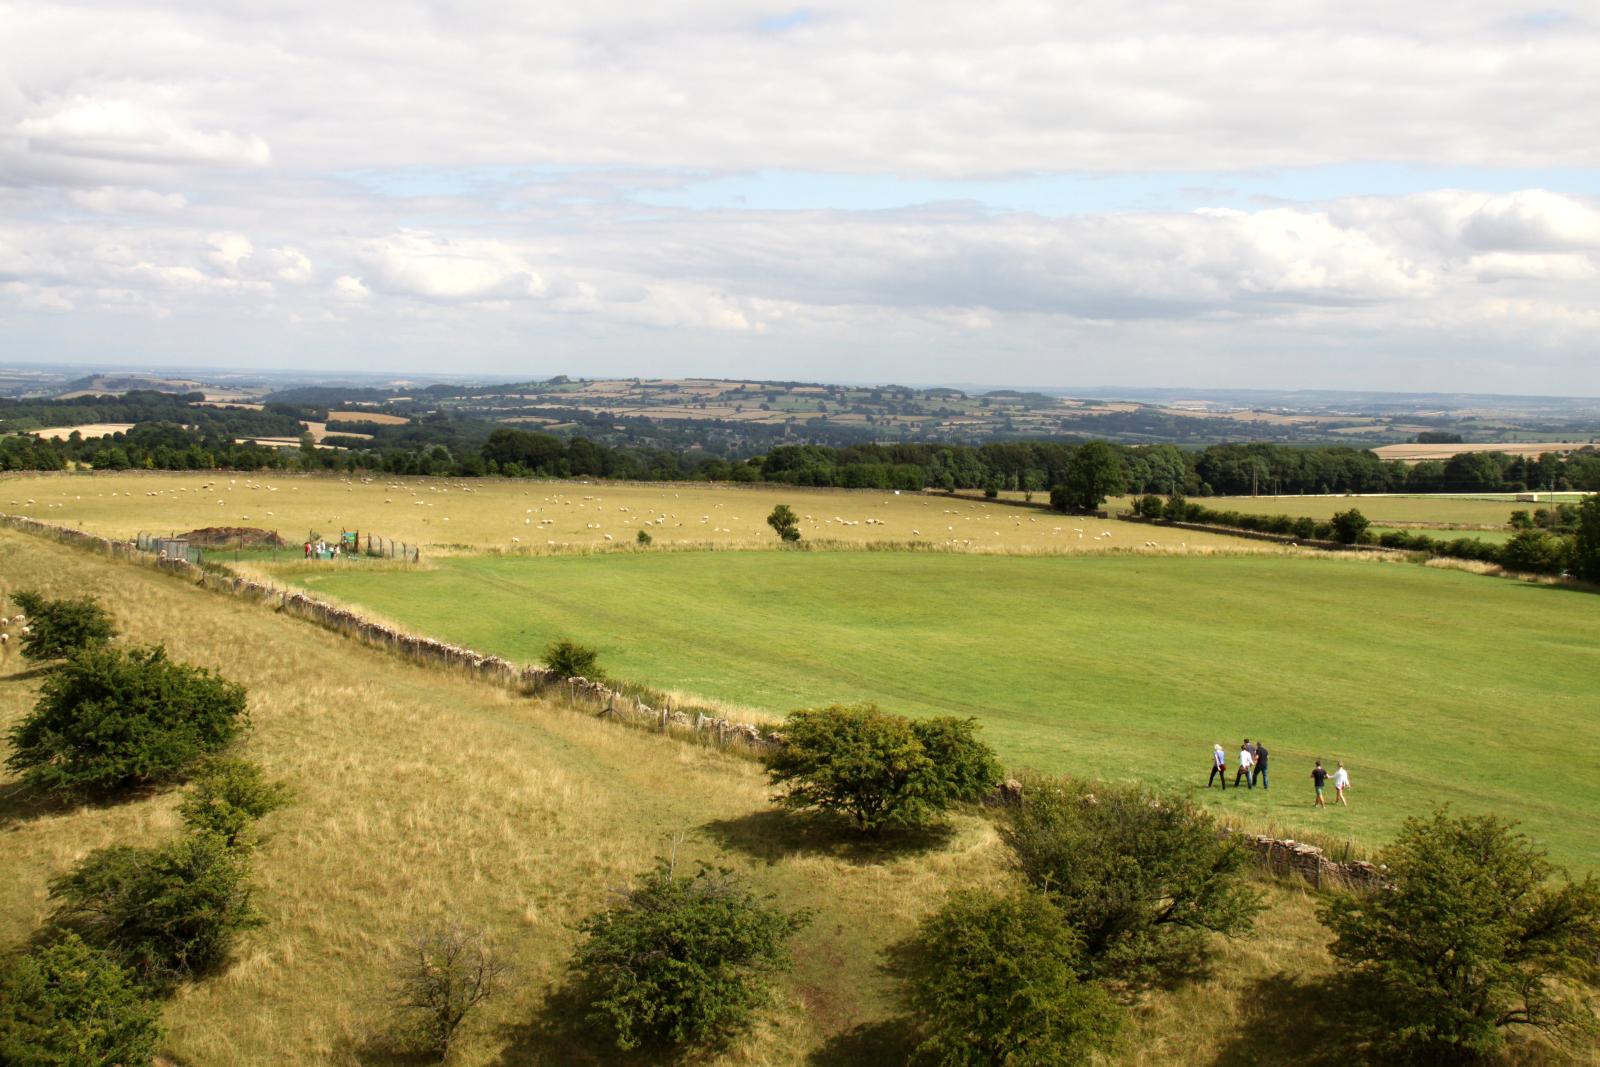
[508,514]
[1434,686]
[367,416]
[88,429]
[1479,510]
[1421,453]
[1497,536]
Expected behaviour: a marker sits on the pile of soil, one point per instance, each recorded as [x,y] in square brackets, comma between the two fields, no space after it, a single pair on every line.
[229,536]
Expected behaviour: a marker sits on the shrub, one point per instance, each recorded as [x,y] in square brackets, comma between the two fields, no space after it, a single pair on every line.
[1534,551]
[1586,542]
[682,961]
[1149,505]
[1304,527]
[69,1005]
[1348,526]
[879,769]
[59,628]
[446,973]
[171,912]
[110,719]
[1473,938]
[568,659]
[996,980]
[643,537]
[785,522]
[1141,876]
[227,796]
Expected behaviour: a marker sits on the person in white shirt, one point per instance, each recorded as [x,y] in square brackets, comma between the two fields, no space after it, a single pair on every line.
[1341,782]
[1246,762]
[1219,767]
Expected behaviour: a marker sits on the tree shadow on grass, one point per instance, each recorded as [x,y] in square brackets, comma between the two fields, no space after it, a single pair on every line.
[1308,1022]
[886,1041]
[20,802]
[772,835]
[29,674]
[560,1033]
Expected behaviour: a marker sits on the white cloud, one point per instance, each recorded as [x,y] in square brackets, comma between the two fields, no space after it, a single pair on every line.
[109,200]
[436,268]
[125,131]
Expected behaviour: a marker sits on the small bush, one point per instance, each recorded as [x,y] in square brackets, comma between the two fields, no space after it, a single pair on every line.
[785,522]
[1348,526]
[69,1005]
[568,659]
[682,961]
[171,912]
[227,796]
[445,974]
[997,980]
[643,537]
[1475,937]
[1535,551]
[110,719]
[1141,876]
[879,769]
[59,628]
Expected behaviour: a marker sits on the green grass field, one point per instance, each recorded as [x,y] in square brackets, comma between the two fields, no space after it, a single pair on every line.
[1480,510]
[1499,537]
[1433,686]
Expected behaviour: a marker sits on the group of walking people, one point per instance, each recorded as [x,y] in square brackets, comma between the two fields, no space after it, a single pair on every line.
[1252,768]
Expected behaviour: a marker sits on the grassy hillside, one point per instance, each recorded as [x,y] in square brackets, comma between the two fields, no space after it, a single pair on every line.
[422,795]
[1433,686]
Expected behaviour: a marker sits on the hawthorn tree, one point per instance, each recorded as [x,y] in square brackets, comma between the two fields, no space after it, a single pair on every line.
[57,628]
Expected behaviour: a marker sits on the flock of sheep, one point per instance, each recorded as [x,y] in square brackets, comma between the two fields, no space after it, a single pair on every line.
[19,622]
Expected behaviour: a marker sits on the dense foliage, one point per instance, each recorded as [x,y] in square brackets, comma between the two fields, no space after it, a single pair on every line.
[1000,980]
[1141,877]
[567,659]
[682,961]
[110,719]
[226,797]
[171,912]
[879,769]
[66,1004]
[59,628]
[1475,937]
[785,523]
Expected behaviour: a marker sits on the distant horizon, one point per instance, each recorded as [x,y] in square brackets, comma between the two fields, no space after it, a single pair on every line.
[1095,392]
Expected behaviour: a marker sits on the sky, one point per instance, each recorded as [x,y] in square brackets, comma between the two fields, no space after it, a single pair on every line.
[1347,194]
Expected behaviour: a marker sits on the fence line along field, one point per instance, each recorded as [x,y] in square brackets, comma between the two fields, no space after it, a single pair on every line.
[1114,666]
[422,797]
[1440,510]
[525,515]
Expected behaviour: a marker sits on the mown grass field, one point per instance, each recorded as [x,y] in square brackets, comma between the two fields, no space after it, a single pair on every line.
[1476,510]
[422,796]
[1433,686]
[529,516]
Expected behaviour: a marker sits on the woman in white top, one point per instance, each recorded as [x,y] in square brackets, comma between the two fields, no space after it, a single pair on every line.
[1341,782]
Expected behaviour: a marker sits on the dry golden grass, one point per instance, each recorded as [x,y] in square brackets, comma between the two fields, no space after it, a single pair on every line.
[87,429]
[423,795]
[516,515]
[368,416]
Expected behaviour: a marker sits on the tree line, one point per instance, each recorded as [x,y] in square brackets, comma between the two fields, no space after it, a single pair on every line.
[181,437]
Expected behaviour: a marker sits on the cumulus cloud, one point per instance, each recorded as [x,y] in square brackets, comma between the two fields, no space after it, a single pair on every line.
[125,131]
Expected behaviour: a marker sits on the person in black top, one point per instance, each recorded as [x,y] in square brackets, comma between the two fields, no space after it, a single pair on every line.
[1319,778]
[1259,771]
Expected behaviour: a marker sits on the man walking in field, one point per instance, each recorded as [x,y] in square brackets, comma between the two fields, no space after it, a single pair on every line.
[1319,778]
[1260,772]
[1219,767]
[1247,761]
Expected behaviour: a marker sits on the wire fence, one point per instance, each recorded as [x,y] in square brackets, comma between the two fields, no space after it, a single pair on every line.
[381,547]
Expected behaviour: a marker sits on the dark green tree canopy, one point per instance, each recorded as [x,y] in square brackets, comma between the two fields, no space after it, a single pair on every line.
[879,769]
[999,980]
[69,1005]
[1139,875]
[1477,935]
[59,628]
[682,961]
[1094,472]
[785,522]
[110,719]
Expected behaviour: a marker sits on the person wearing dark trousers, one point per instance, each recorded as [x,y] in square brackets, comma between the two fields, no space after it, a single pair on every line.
[1246,762]
[1259,773]
[1219,768]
